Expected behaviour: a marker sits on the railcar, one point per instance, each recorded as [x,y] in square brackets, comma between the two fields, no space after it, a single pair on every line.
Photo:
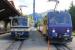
[20,27]
[59,27]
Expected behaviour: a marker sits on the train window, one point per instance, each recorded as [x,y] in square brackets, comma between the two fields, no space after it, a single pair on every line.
[23,21]
[20,22]
[15,22]
[60,20]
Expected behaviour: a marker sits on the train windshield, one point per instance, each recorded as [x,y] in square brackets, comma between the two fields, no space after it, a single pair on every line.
[60,20]
[20,22]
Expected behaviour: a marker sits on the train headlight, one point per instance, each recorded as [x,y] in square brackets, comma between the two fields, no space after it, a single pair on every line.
[68,30]
[53,31]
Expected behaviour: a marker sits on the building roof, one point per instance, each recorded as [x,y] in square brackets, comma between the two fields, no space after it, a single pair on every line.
[7,10]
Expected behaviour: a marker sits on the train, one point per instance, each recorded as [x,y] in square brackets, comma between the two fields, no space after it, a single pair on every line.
[19,27]
[57,28]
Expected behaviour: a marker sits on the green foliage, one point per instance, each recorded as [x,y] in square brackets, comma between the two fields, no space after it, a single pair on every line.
[72,12]
[73,33]
[38,23]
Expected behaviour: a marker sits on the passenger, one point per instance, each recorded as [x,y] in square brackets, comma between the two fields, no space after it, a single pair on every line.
[15,22]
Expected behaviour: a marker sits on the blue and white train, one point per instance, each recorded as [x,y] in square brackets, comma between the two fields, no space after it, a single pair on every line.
[20,27]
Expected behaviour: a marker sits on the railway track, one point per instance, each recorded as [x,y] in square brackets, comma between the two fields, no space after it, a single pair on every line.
[19,48]
[10,45]
[15,45]
[58,48]
[62,47]
[67,47]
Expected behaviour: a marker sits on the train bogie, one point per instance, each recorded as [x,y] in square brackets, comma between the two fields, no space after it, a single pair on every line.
[20,35]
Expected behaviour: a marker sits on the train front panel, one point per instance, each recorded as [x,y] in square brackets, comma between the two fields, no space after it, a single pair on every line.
[59,27]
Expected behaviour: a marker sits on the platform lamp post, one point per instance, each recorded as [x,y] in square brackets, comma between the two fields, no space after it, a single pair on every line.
[34,10]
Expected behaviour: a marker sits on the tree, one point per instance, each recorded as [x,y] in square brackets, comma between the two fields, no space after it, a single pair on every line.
[72,12]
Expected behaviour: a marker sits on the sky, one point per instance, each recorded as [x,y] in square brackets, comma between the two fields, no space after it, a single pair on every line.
[42,5]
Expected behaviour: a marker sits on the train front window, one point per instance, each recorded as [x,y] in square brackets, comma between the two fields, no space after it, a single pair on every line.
[60,20]
[19,22]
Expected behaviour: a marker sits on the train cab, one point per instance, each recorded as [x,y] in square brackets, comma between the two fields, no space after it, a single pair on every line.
[59,27]
[20,27]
